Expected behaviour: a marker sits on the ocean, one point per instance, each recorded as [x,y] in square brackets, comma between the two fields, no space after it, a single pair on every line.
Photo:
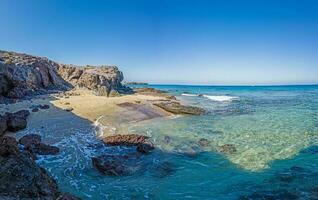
[254,142]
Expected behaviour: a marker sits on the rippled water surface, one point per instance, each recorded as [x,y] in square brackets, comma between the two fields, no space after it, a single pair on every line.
[273,131]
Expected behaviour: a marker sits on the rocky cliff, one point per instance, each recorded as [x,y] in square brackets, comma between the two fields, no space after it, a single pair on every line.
[22,75]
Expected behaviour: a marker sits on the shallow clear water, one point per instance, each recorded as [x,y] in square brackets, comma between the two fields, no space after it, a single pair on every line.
[273,129]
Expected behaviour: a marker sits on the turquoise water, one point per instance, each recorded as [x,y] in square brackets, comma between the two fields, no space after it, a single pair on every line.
[274,131]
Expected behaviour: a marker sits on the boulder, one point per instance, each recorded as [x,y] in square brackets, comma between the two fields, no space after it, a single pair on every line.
[177,108]
[30,140]
[17,121]
[125,140]
[21,177]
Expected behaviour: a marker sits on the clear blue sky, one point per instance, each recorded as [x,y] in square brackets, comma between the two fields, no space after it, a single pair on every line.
[181,41]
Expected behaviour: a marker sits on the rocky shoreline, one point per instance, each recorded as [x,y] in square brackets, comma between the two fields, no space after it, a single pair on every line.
[24,78]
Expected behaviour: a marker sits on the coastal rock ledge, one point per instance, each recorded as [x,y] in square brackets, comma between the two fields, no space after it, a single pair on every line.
[25,75]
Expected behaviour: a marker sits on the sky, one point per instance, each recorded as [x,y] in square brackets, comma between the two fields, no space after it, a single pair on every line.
[214,42]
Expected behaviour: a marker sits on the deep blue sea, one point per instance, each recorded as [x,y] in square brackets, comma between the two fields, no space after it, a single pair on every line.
[272,130]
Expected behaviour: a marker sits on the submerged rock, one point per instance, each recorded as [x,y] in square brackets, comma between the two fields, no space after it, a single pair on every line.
[116,165]
[164,169]
[20,177]
[177,108]
[203,142]
[227,149]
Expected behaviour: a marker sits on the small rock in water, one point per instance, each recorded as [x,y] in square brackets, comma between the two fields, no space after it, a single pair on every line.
[35,110]
[227,149]
[116,165]
[44,106]
[167,139]
[203,142]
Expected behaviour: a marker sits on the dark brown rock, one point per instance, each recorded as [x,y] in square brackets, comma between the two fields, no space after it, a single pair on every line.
[30,139]
[44,149]
[177,108]
[32,143]
[125,140]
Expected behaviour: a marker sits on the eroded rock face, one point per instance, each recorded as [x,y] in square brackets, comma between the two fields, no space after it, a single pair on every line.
[23,74]
[177,108]
[103,80]
[20,177]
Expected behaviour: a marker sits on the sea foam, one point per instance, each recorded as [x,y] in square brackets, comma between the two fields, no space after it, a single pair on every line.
[220,98]
[212,97]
